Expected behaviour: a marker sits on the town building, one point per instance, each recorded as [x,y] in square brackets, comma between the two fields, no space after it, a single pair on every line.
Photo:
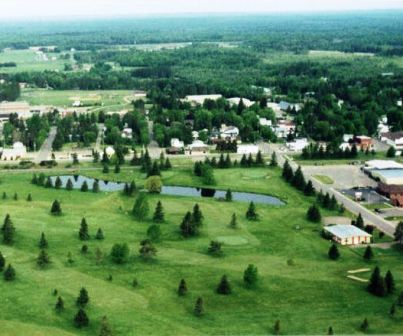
[283,128]
[265,122]
[394,139]
[229,132]
[200,99]
[381,165]
[348,234]
[286,106]
[19,151]
[247,149]
[235,101]
[176,143]
[198,147]
[298,145]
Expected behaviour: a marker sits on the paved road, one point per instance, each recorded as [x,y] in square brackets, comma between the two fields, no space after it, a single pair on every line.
[356,208]
[97,147]
[46,149]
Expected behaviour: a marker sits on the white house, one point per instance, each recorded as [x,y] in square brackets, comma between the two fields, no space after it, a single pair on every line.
[109,151]
[283,128]
[19,151]
[127,133]
[229,132]
[394,139]
[265,122]
[348,234]
[298,145]
[247,149]
[200,99]
[285,106]
[236,100]
[198,146]
[176,143]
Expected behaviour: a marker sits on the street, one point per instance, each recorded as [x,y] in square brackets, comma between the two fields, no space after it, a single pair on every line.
[46,149]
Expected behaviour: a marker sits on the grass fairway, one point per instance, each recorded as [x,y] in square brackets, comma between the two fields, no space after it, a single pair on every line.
[307,296]
[324,179]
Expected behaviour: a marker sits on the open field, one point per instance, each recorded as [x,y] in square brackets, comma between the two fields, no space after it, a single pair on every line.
[28,60]
[307,297]
[67,97]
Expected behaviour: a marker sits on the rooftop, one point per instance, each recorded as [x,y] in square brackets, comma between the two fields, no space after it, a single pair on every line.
[390,173]
[346,231]
[383,164]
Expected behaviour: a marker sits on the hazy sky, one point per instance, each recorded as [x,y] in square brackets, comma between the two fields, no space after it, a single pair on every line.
[35,9]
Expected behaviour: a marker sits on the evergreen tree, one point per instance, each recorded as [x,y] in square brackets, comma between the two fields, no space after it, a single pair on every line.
[359,222]
[399,233]
[249,161]
[309,189]
[167,164]
[2,262]
[154,232]
[105,157]
[330,331]
[250,276]
[141,207]
[83,232]
[4,195]
[273,160]
[227,161]
[197,216]
[333,203]
[228,196]
[244,161]
[334,252]
[105,169]
[95,187]
[48,183]
[155,170]
[251,212]
[117,169]
[326,201]
[197,170]
[105,329]
[313,214]
[84,187]
[233,224]
[9,273]
[15,197]
[221,161]
[399,299]
[199,309]
[29,198]
[58,183]
[120,253]
[276,328]
[389,283]
[34,179]
[83,298]
[159,213]
[288,174]
[187,227]
[43,243]
[391,153]
[376,284]
[56,209]
[298,180]
[8,231]
[368,254]
[215,249]
[69,185]
[99,235]
[182,288]
[43,259]
[59,306]
[365,325]
[147,249]
[81,319]
[259,159]
[392,310]
[224,286]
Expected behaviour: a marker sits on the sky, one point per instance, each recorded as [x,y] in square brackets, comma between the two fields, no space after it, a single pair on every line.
[39,9]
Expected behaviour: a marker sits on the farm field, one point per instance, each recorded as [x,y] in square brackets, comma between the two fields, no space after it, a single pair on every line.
[66,98]
[298,284]
[28,60]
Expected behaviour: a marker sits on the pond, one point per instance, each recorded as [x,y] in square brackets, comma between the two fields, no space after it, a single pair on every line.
[108,186]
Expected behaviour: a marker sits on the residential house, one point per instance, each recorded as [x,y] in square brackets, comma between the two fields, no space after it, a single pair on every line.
[348,234]
[200,99]
[198,146]
[394,139]
[235,101]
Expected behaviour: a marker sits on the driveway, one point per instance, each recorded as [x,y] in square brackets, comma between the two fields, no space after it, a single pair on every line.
[46,149]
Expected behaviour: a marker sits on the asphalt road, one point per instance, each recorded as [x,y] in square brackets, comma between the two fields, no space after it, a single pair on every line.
[46,149]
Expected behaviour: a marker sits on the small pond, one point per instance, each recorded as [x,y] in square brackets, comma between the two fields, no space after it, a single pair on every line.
[109,186]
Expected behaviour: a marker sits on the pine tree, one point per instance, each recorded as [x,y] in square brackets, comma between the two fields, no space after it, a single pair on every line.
[56,209]
[273,160]
[105,169]
[376,284]
[221,161]
[313,214]
[95,187]
[368,254]
[399,233]
[359,222]
[83,298]
[389,283]
[215,249]
[249,161]
[227,161]
[244,162]
[59,306]
[199,309]
[298,180]
[400,300]
[99,235]
[58,183]
[197,216]
[364,325]
[4,195]
[197,170]
[8,231]
[392,310]
[276,328]
[250,276]
[228,196]
[105,329]
[334,252]
[233,224]
[251,212]
[81,319]
[2,262]
[43,259]
[330,331]
[48,183]
[84,187]
[187,227]
[167,164]
[141,207]
[259,159]
[182,288]
[83,232]
[15,197]
[69,185]
[9,273]
[43,243]
[34,179]
[224,287]
[154,232]
[159,213]
[287,174]
[155,170]
[29,198]
[309,189]
[117,169]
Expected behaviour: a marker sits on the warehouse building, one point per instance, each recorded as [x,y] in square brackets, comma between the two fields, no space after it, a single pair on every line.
[348,234]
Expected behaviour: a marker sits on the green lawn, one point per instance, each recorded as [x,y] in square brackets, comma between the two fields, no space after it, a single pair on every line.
[324,179]
[307,297]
